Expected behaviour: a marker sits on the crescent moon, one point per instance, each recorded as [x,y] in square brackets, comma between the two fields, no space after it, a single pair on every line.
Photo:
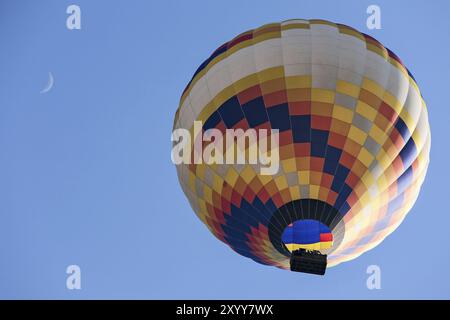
[50,83]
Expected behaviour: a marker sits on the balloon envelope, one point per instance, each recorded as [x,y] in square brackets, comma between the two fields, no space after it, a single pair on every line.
[354,141]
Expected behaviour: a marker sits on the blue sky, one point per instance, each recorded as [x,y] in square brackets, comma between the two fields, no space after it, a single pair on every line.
[85,170]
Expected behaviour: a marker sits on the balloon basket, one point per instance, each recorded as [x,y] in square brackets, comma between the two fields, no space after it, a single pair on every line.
[305,261]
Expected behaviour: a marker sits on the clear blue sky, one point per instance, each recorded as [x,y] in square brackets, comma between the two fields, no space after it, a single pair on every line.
[85,170]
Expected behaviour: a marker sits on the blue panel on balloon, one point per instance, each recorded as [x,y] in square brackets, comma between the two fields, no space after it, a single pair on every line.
[304,232]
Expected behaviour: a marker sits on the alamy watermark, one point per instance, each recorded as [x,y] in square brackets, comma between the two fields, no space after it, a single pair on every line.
[73,21]
[374,19]
[236,146]
[374,280]
[73,281]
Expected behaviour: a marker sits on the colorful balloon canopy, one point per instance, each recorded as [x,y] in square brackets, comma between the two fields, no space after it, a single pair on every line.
[354,141]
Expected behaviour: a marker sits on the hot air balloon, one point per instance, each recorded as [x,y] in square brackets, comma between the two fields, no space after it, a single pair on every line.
[354,143]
